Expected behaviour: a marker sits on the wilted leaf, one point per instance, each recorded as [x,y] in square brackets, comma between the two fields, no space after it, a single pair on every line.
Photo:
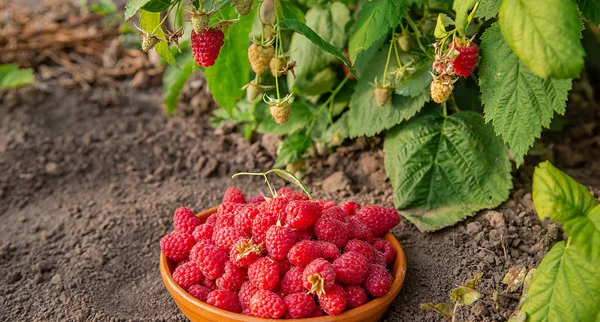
[289,177]
[526,284]
[473,283]
[463,295]
[442,308]
[518,316]
[514,278]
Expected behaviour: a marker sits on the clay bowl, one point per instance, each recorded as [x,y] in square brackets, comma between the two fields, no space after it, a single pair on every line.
[197,311]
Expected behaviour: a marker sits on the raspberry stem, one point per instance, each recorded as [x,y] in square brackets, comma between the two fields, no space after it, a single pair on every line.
[418,34]
[387,62]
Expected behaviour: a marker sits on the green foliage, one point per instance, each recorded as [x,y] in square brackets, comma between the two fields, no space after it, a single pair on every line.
[517,102]
[157,5]
[462,8]
[174,79]
[150,22]
[545,35]
[11,76]
[488,9]
[375,20]
[445,168]
[590,9]
[292,149]
[133,6]
[565,286]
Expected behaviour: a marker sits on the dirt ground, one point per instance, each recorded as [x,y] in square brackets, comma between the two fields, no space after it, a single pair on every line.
[89,179]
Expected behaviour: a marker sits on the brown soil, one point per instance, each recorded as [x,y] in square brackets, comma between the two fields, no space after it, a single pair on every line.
[90,179]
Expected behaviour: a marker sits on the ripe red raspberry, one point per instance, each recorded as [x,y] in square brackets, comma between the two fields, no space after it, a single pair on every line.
[212,219]
[386,248]
[203,231]
[243,220]
[379,259]
[278,241]
[230,208]
[245,295]
[177,246]
[359,230]
[284,267]
[332,231]
[261,224]
[361,247]
[350,207]
[378,281]
[304,252]
[234,194]
[210,284]
[300,305]
[226,237]
[468,54]
[329,250]
[266,304]
[224,220]
[232,278]
[290,194]
[336,213]
[292,281]
[199,291]
[206,46]
[185,221]
[318,312]
[209,258]
[303,234]
[333,302]
[275,206]
[245,252]
[256,199]
[247,312]
[264,273]
[302,214]
[225,300]
[350,268]
[326,204]
[260,57]
[355,296]
[318,276]
[187,275]
[379,219]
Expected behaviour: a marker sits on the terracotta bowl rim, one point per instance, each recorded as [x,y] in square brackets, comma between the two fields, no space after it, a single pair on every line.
[375,304]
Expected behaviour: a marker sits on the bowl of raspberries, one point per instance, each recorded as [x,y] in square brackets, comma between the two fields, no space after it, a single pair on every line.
[286,257]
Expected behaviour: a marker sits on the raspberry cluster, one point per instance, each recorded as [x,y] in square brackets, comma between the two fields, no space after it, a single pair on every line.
[284,257]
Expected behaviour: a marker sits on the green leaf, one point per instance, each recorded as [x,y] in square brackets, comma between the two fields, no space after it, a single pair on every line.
[463,295]
[545,35]
[585,234]
[304,30]
[292,149]
[444,169]
[299,118]
[231,71]
[365,117]
[289,177]
[488,9]
[157,5]
[472,283]
[362,63]
[558,196]
[291,11]
[565,286]
[11,76]
[419,81]
[517,102]
[375,20]
[440,27]
[150,21]
[442,308]
[132,7]
[174,79]
[590,9]
[462,8]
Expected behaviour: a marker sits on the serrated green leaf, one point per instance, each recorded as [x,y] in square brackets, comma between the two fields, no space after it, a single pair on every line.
[150,21]
[565,286]
[545,35]
[444,169]
[584,232]
[462,9]
[590,9]
[463,295]
[225,84]
[362,63]
[132,7]
[157,5]
[174,79]
[442,308]
[517,102]
[558,196]
[11,76]
[291,11]
[488,9]
[292,149]
[289,177]
[365,117]
[329,35]
[300,116]
[374,21]
[440,27]
[416,83]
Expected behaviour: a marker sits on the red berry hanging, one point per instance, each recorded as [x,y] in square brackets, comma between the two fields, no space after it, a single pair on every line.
[206,46]
[468,54]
